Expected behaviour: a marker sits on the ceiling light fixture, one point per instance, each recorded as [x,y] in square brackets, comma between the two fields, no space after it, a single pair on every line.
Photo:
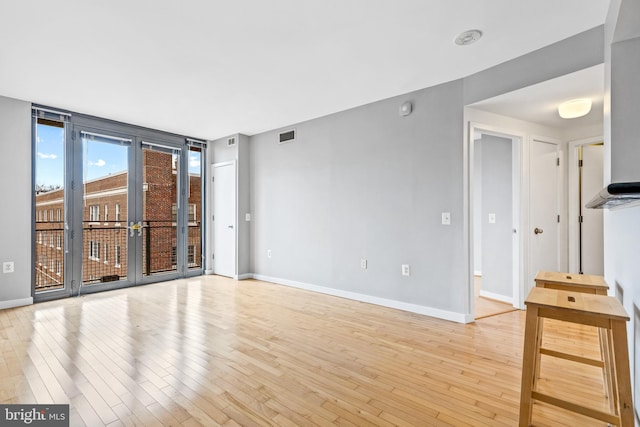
[468,37]
[575,108]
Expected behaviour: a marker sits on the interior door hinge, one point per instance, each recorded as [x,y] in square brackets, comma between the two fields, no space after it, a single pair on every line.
[557,161]
[558,218]
[580,163]
[580,219]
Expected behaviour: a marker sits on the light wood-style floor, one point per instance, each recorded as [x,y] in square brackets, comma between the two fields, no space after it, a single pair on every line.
[211,351]
[485,307]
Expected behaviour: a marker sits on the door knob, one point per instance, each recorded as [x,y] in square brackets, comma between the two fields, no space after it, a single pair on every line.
[538,230]
[229,226]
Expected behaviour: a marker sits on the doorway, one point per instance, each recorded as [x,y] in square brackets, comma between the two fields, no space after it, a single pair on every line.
[224,203]
[494,214]
[586,242]
[536,182]
[545,207]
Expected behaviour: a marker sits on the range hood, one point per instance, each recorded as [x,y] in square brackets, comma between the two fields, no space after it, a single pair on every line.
[616,194]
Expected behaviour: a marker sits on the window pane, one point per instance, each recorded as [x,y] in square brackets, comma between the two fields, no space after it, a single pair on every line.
[49,198]
[195,208]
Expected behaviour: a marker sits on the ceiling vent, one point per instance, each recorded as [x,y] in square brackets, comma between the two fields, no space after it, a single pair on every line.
[287,136]
[231,141]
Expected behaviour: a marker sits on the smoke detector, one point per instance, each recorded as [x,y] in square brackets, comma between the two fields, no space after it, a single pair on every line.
[468,37]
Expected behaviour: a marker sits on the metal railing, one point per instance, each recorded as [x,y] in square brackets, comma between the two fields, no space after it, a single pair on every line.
[105,249]
[49,255]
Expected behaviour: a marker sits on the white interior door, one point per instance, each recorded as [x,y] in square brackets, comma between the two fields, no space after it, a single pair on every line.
[592,226]
[544,208]
[224,219]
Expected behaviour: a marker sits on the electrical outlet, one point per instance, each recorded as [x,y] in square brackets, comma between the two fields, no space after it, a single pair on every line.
[406,271]
[363,264]
[492,218]
[446,218]
[7,267]
[268,253]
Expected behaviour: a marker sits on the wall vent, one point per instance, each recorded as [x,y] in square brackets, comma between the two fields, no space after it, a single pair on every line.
[231,141]
[287,136]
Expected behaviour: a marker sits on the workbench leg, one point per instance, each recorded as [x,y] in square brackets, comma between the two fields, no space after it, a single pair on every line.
[622,373]
[608,371]
[530,354]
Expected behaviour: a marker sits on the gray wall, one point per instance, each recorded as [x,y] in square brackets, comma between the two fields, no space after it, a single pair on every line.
[622,226]
[564,57]
[366,183]
[497,262]
[16,190]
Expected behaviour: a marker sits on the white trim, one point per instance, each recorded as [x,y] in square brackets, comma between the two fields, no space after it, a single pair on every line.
[477,273]
[96,194]
[405,306]
[208,272]
[16,303]
[496,297]
[48,202]
[245,276]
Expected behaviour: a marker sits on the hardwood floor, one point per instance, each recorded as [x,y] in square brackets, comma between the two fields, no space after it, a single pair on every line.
[485,307]
[212,351]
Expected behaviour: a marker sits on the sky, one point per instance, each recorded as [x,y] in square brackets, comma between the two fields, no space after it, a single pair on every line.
[100,159]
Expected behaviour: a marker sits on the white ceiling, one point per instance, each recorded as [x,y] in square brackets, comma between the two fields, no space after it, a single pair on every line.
[539,103]
[209,68]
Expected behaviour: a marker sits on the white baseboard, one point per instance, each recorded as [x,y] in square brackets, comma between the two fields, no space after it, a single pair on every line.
[405,306]
[477,273]
[245,276]
[16,303]
[497,297]
[208,272]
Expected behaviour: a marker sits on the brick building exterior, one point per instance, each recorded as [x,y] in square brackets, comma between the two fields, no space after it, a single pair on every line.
[105,232]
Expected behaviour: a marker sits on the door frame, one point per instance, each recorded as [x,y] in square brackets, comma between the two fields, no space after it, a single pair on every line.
[520,209]
[233,163]
[572,171]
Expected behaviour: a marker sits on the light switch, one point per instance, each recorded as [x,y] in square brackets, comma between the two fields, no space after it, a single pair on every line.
[446,218]
[492,218]
[247,217]
[406,271]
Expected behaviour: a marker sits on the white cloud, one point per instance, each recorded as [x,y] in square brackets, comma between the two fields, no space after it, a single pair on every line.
[46,156]
[194,161]
[100,163]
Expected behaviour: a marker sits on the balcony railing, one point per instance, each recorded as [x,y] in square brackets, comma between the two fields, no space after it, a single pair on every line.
[49,255]
[105,249]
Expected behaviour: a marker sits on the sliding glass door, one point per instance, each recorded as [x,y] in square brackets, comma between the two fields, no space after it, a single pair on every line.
[115,206]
